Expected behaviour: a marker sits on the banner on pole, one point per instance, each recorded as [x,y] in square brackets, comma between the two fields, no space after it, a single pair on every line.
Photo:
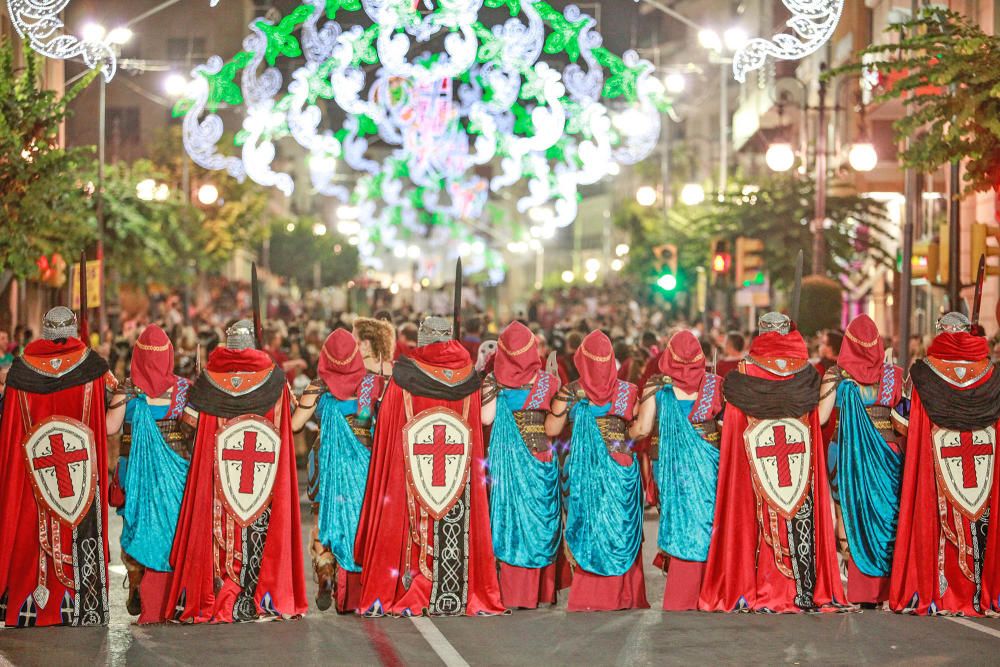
[93,284]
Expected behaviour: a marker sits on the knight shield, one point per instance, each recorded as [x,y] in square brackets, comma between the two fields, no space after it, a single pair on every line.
[964,464]
[247,450]
[780,455]
[438,447]
[61,456]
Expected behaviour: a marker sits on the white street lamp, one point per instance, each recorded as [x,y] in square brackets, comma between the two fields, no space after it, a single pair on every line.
[862,156]
[675,83]
[709,39]
[593,265]
[692,194]
[617,265]
[93,32]
[162,192]
[568,277]
[780,156]
[120,36]
[621,249]
[646,195]
[175,84]
[319,229]
[735,38]
[146,189]
[208,194]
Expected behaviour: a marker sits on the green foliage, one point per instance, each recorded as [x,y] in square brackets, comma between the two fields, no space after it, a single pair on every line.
[947,71]
[43,203]
[295,254]
[778,210]
[820,304]
[146,241]
[237,220]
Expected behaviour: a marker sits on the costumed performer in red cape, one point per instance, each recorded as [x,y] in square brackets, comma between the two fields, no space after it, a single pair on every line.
[946,557]
[423,541]
[773,548]
[53,497]
[237,552]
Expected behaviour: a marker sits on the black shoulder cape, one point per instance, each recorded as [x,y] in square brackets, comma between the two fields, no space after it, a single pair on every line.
[773,399]
[206,397]
[23,378]
[953,408]
[408,375]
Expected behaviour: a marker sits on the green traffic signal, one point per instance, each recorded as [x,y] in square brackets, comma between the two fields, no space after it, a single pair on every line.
[667,282]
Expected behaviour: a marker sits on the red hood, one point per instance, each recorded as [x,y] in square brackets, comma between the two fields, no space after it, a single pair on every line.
[447,354]
[224,360]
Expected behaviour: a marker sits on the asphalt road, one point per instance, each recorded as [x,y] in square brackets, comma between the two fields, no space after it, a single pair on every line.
[546,637]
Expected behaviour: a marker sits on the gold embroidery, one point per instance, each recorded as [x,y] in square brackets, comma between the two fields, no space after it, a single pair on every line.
[680,360]
[860,342]
[338,362]
[152,348]
[518,351]
[594,357]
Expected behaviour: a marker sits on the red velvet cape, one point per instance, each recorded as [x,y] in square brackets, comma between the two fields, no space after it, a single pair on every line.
[740,564]
[18,509]
[281,571]
[915,560]
[383,530]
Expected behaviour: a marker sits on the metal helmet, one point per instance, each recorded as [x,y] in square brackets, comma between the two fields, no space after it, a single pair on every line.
[60,322]
[240,336]
[953,322]
[434,330]
[774,323]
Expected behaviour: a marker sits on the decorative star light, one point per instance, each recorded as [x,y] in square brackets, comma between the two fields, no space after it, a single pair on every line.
[432,133]
[813,21]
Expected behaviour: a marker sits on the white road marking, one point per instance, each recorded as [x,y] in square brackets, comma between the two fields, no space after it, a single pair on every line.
[449,656]
[993,632]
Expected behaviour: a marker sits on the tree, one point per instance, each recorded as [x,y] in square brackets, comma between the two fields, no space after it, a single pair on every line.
[43,202]
[237,220]
[296,250]
[778,210]
[152,240]
[947,70]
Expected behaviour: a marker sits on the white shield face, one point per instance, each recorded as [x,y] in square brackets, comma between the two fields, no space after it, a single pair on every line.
[61,457]
[965,467]
[246,464]
[780,455]
[438,446]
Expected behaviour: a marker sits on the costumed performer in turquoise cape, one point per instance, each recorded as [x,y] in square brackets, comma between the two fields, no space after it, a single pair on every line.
[154,458]
[525,508]
[865,459]
[604,504]
[684,402]
[338,464]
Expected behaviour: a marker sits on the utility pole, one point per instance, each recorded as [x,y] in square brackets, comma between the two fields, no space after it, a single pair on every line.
[913,210]
[954,231]
[99,205]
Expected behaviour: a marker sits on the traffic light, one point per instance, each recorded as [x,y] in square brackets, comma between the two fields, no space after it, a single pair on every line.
[979,246]
[749,262]
[926,260]
[721,258]
[666,266]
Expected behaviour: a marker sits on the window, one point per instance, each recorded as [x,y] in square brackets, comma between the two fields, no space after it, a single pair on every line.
[123,124]
[186,49]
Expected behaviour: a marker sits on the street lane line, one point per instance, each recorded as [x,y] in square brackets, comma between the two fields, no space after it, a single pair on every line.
[975,626]
[449,656]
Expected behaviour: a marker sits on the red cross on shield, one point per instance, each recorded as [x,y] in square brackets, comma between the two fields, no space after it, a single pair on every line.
[247,451]
[438,446]
[62,465]
[964,463]
[780,456]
